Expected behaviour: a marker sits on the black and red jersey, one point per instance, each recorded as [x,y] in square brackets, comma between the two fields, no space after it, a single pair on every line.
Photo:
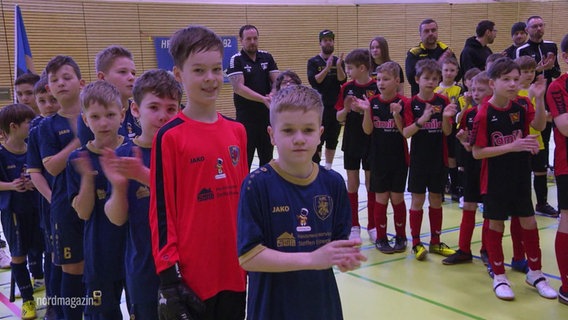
[493,127]
[557,101]
[355,141]
[428,146]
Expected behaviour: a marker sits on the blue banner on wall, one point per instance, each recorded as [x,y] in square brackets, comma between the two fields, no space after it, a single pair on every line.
[165,61]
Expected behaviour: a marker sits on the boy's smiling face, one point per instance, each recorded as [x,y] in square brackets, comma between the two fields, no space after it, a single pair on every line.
[202,77]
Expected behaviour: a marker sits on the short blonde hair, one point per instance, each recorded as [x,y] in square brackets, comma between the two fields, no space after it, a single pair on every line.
[295,98]
[101,92]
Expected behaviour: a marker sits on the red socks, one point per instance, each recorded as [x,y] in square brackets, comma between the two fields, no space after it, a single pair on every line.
[517,238]
[532,247]
[495,251]
[381,220]
[354,202]
[435,215]
[466,230]
[400,219]
[561,247]
[415,217]
[370,210]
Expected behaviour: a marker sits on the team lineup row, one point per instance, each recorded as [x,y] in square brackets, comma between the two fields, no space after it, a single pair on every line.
[87,215]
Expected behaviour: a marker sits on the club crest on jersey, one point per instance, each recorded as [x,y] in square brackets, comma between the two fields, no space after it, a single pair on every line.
[323,205]
[515,117]
[436,109]
[220,173]
[235,154]
[247,68]
[303,221]
[264,65]
[370,93]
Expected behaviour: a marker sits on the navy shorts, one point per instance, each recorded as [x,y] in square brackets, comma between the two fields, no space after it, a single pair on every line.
[434,180]
[22,233]
[144,311]
[67,239]
[562,191]
[104,299]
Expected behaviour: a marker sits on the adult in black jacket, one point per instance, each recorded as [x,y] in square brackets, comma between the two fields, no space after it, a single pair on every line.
[476,51]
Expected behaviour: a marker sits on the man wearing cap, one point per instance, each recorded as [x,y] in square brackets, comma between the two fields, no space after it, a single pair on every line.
[429,48]
[251,73]
[475,50]
[326,74]
[519,36]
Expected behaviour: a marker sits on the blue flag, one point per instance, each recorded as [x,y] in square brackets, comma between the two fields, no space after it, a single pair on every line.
[23,62]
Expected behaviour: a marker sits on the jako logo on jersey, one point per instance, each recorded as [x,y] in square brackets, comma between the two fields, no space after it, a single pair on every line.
[205,194]
[197,159]
[498,139]
[62,132]
[280,209]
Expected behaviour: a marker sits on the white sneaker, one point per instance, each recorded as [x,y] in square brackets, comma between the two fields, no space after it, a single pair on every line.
[537,279]
[460,205]
[355,233]
[5,259]
[502,287]
[372,235]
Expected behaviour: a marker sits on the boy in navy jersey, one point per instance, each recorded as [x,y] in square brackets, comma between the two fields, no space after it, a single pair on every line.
[42,180]
[57,139]
[294,219]
[24,87]
[355,145]
[479,90]
[198,162]
[115,64]
[501,138]
[157,96]
[428,121]
[557,99]
[87,189]
[20,218]
[383,121]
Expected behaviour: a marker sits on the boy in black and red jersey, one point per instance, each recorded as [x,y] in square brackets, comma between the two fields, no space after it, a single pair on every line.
[501,138]
[355,145]
[388,156]
[557,100]
[428,121]
[194,191]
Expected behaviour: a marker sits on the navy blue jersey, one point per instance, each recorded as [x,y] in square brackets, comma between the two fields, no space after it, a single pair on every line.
[104,242]
[428,148]
[355,142]
[141,279]
[129,128]
[288,214]
[35,121]
[13,166]
[34,164]
[388,146]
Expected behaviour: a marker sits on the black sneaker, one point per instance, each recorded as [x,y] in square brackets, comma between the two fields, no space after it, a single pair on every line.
[458,257]
[383,246]
[562,296]
[520,265]
[546,209]
[399,244]
[484,257]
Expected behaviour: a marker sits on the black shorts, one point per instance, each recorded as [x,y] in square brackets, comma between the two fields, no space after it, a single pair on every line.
[22,233]
[355,163]
[452,141]
[562,191]
[539,161]
[471,177]
[228,305]
[434,180]
[331,129]
[499,207]
[388,178]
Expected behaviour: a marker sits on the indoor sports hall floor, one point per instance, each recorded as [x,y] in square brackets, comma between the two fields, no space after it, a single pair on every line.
[397,286]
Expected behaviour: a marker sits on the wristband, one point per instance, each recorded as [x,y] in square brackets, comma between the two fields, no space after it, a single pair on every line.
[418,125]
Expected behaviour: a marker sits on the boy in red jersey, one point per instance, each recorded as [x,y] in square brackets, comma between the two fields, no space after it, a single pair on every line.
[383,121]
[194,191]
[428,121]
[501,138]
[355,145]
[557,100]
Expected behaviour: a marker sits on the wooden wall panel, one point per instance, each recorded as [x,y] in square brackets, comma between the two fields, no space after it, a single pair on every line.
[81,28]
